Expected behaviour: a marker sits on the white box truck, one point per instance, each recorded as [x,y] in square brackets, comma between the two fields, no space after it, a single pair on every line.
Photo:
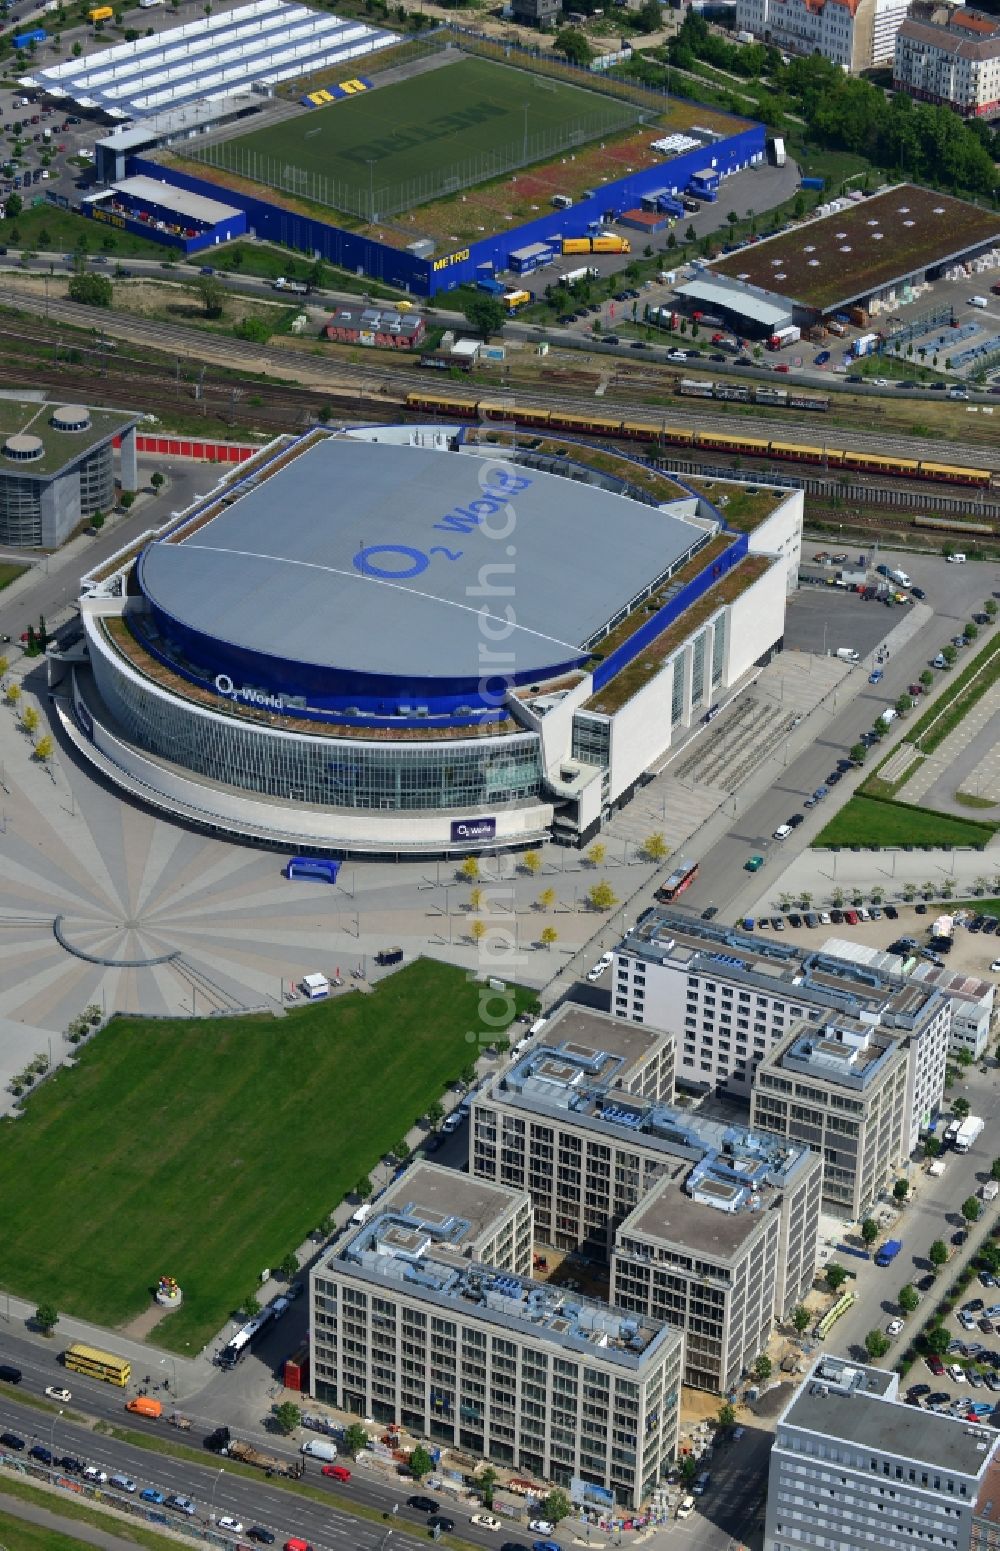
[847,654]
[968,1132]
[900,578]
[778,151]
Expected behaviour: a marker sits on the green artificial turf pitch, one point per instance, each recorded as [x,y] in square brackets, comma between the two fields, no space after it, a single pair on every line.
[399,143]
[205,1149]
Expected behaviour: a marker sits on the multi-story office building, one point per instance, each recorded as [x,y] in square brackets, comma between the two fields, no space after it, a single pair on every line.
[728,998]
[842,1091]
[971,997]
[986,1512]
[856,34]
[953,63]
[411,1324]
[852,1466]
[709,1226]
[545,1125]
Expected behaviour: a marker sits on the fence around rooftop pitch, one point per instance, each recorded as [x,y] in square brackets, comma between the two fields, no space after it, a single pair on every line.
[377,201]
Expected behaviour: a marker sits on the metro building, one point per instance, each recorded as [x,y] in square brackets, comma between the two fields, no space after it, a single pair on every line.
[421,640]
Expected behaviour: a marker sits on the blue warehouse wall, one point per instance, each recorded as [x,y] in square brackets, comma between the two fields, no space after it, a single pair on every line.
[426,277]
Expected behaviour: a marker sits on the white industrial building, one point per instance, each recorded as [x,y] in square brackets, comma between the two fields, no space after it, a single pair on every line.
[250,49]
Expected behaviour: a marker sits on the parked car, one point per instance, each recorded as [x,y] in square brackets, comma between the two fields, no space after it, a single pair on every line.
[150,1494]
[876,676]
[12,1441]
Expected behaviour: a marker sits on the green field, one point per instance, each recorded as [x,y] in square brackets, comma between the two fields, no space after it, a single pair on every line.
[205,1150]
[401,145]
[870,821]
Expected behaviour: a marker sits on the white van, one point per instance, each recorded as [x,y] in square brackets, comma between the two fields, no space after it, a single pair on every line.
[979,301]
[888,715]
[319,1448]
[847,654]
[362,1214]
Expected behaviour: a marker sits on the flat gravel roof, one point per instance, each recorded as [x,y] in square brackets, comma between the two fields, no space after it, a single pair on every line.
[376,558]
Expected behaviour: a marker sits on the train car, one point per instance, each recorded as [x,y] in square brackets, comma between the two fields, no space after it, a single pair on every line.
[795,452]
[584,425]
[737,391]
[750,446]
[496,409]
[955,475]
[811,401]
[693,388]
[765,395]
[438,404]
[880,463]
[642,430]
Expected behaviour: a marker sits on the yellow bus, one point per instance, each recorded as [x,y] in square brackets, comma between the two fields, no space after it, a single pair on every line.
[90,1360]
[100,13]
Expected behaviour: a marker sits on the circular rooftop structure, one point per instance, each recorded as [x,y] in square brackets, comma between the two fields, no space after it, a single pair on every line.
[369,579]
[24,448]
[71,417]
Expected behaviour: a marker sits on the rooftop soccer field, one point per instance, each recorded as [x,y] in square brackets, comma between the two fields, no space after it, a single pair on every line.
[397,146]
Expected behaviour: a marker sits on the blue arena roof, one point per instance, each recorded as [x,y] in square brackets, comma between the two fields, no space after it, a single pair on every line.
[402,563]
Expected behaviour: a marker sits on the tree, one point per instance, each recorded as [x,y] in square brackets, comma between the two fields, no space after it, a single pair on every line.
[971,1209]
[476,898]
[364,1188]
[927,678]
[126,500]
[288,1417]
[965,1058]
[990,607]
[762,1368]
[971,631]
[355,1438]
[650,17]
[4,666]
[97,521]
[689,1469]
[570,42]
[835,1276]
[727,1414]
[801,1318]
[556,1506]
[469,869]
[212,293]
[858,752]
[477,929]
[549,936]
[420,1462]
[596,853]
[91,290]
[44,748]
[876,1344]
[401,1150]
[932,1147]
[288,1265]
[13,693]
[909,1298]
[655,847]
[961,1108]
[938,1253]
[14,206]
[487,1479]
[531,861]
[29,718]
[601,896]
[250,1305]
[435,1114]
[901,1189]
[485,313]
[869,1231]
[46,1318]
[904,704]
[938,1340]
[949,653]
[157,480]
[994,1166]
[546,899]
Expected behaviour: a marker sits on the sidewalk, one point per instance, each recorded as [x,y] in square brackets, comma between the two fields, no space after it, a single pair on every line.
[77,1529]
[185,1375]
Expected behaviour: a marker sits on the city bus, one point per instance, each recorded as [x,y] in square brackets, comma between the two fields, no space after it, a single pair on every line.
[680,879]
[90,1360]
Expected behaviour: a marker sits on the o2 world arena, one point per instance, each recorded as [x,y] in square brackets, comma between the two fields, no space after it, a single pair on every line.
[421,639]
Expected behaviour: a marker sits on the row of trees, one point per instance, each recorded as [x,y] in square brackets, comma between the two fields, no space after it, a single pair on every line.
[932,145]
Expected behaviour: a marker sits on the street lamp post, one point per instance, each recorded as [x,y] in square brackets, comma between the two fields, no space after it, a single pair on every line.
[52,1439]
[215,1486]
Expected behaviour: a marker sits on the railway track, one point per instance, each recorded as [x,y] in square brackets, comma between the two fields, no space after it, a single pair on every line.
[390,384]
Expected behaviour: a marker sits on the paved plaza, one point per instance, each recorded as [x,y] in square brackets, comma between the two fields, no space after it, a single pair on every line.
[966,763]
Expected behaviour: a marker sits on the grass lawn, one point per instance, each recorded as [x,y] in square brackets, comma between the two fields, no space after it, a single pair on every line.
[21,1535]
[66,230]
[405,141]
[10,573]
[206,1149]
[867,821]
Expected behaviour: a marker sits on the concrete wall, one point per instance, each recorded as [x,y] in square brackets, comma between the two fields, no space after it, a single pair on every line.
[781,535]
[756,623]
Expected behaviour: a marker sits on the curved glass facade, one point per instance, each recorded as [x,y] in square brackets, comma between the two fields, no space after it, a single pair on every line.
[20,510]
[328,772]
